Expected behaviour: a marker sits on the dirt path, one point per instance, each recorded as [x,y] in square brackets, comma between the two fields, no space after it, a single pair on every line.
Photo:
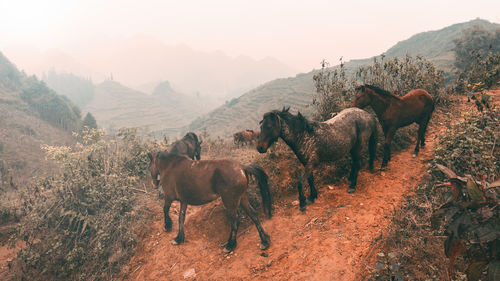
[332,240]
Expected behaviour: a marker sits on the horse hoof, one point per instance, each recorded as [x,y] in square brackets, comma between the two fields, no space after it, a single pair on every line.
[175,242]
[351,190]
[168,229]
[309,200]
[302,208]
[414,155]
[227,251]
[264,246]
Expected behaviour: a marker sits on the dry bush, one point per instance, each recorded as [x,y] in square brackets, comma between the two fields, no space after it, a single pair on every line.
[81,224]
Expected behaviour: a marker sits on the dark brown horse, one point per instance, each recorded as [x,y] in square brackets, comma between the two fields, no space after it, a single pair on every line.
[395,112]
[316,142]
[189,145]
[199,182]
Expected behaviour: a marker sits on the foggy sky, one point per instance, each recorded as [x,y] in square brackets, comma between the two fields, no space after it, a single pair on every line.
[298,33]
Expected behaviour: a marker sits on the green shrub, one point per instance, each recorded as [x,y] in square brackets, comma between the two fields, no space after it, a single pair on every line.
[81,223]
[472,146]
[477,57]
[335,88]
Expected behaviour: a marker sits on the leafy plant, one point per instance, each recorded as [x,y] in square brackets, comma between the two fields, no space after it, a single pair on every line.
[471,224]
[472,146]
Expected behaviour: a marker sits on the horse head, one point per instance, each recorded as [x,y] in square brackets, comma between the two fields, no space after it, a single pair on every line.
[362,97]
[270,130]
[153,169]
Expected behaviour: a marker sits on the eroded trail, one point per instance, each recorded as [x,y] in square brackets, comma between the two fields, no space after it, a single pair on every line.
[332,240]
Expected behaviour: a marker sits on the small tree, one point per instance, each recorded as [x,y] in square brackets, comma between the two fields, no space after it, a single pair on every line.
[477,57]
[89,121]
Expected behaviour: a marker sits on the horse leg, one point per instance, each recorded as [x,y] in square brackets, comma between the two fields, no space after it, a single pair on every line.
[353,177]
[182,215]
[372,150]
[387,148]
[314,193]
[302,198]
[232,214]
[422,138]
[264,237]
[168,220]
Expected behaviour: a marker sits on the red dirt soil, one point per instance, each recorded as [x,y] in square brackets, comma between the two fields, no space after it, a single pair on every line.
[333,240]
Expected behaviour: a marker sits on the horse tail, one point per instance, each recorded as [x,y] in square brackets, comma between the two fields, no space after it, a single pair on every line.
[262,181]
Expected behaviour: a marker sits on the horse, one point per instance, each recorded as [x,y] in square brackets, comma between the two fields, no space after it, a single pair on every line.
[317,142]
[395,112]
[189,145]
[245,137]
[199,182]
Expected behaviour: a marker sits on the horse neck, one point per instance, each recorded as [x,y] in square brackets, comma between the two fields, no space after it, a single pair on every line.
[380,104]
[294,138]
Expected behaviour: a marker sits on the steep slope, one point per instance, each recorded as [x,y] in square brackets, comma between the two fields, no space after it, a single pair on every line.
[23,128]
[297,92]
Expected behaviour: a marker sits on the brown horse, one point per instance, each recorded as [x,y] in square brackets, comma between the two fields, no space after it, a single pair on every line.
[199,182]
[395,112]
[245,137]
[189,145]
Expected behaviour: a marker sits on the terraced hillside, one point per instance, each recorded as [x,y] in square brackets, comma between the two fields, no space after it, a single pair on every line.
[115,106]
[246,111]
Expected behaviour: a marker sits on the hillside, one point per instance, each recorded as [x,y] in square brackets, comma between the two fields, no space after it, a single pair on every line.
[297,92]
[114,106]
[435,45]
[23,128]
[246,111]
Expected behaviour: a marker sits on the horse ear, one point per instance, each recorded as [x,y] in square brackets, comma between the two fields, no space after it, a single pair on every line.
[285,109]
[150,156]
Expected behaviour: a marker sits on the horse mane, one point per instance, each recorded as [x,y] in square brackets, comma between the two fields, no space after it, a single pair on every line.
[191,136]
[295,121]
[379,91]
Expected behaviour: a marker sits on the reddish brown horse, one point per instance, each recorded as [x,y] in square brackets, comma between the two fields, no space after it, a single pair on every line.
[199,182]
[245,137]
[395,112]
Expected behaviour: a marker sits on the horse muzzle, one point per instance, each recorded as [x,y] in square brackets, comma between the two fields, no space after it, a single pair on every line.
[262,147]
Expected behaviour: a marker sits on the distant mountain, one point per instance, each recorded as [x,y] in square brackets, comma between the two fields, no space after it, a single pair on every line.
[246,111]
[115,106]
[139,60]
[79,90]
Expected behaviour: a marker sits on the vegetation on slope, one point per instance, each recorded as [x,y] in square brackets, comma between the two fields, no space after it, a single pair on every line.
[81,223]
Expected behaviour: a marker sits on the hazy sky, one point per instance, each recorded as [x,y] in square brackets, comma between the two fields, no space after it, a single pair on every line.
[299,33]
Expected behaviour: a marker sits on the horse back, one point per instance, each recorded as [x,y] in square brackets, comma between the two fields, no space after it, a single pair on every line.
[199,182]
[351,127]
[416,104]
